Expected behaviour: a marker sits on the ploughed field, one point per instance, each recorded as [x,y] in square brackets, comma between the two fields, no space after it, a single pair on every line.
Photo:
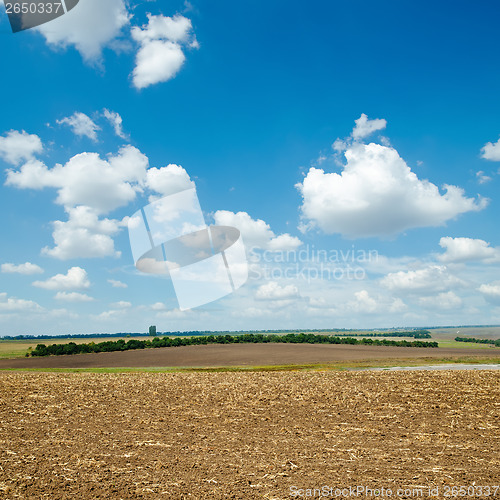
[244,355]
[244,435]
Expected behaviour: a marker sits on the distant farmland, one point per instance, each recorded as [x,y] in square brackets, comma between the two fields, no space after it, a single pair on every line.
[250,355]
[16,348]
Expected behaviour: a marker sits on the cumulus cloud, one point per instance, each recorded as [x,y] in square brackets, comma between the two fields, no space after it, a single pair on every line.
[81,125]
[157,61]
[339,145]
[11,304]
[109,315]
[168,180]
[491,292]
[319,303]
[122,304]
[377,195]
[432,278]
[273,291]
[86,179]
[397,306]
[16,146]
[63,313]
[160,55]
[84,235]
[363,303]
[76,278]
[256,233]
[116,121]
[365,127]
[90,27]
[158,306]
[27,268]
[88,187]
[283,242]
[73,297]
[482,178]
[467,249]
[443,301]
[174,314]
[117,284]
[491,151]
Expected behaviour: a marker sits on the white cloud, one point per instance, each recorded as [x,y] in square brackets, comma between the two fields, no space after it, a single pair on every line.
[117,284]
[26,268]
[467,249]
[90,27]
[116,121]
[432,278]
[491,151]
[81,125]
[102,185]
[73,297]
[377,194]
[76,278]
[16,146]
[339,145]
[397,306]
[273,291]
[168,180]
[365,127]
[84,235]
[443,301]
[161,56]
[320,303]
[283,242]
[33,175]
[86,179]
[176,29]
[363,303]
[254,313]
[87,186]
[63,313]
[256,233]
[9,304]
[491,292]
[482,178]
[158,306]
[110,315]
[173,314]
[157,61]
[122,304]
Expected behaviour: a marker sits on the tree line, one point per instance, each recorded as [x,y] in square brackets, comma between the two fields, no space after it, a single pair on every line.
[416,334]
[156,342]
[478,341]
[342,332]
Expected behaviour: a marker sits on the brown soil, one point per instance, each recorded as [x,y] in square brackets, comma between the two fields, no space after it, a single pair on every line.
[241,355]
[245,435]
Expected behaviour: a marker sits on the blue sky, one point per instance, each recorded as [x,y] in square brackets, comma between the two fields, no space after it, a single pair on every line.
[329,126]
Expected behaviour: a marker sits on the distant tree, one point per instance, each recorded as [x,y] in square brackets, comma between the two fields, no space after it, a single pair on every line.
[152,331]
